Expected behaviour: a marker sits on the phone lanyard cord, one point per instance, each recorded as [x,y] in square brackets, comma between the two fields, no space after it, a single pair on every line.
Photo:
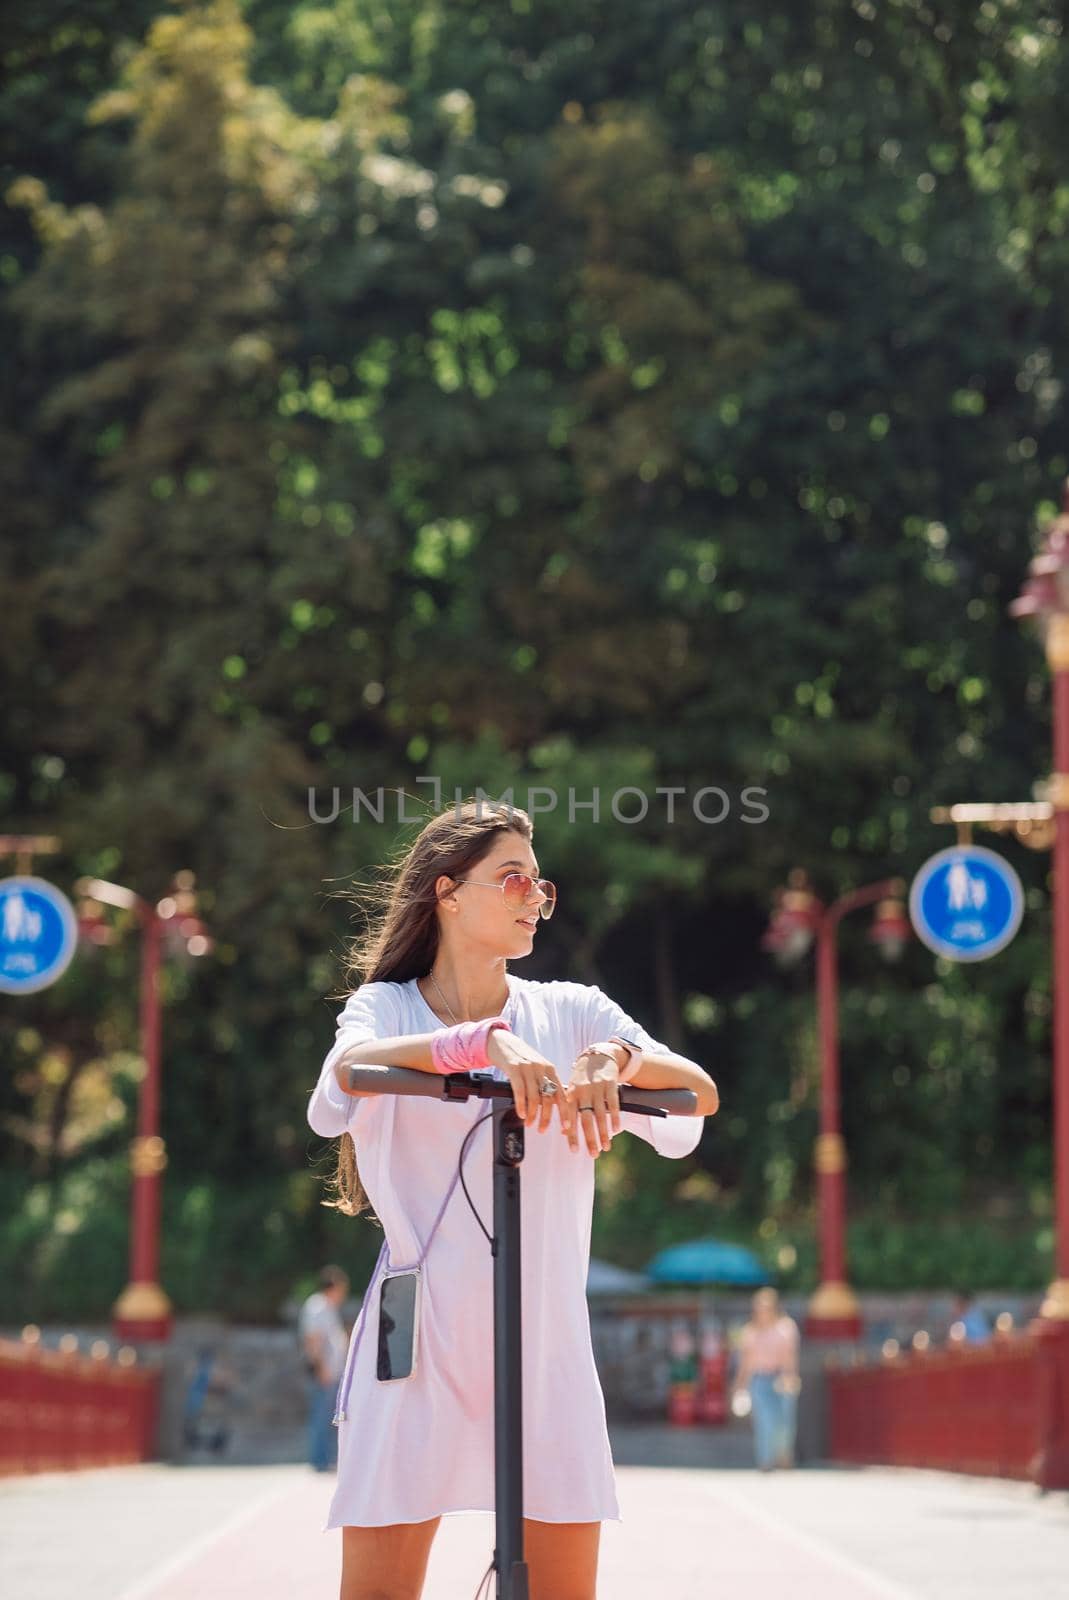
[342,1400]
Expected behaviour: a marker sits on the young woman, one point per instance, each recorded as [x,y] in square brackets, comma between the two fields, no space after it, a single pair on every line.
[768,1368]
[463,902]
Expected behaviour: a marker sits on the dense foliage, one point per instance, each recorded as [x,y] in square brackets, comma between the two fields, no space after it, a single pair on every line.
[532,396]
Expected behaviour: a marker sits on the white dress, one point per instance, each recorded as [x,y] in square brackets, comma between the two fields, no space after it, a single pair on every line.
[423,1446]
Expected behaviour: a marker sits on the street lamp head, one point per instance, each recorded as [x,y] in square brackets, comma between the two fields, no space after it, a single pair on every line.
[186,933]
[1045,591]
[794,921]
[891,929]
[94,929]
[187,936]
[1038,598]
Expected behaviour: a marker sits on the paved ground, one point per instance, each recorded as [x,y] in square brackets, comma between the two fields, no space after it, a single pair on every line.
[252,1533]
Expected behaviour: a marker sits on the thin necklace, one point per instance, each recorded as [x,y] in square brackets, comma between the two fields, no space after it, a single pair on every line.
[445,1002]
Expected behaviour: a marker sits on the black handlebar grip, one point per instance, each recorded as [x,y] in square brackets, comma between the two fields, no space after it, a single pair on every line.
[461,1085]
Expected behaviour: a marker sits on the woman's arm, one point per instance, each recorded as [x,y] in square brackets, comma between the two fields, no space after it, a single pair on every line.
[314,1350]
[742,1377]
[524,1067]
[677,1072]
[663,1069]
[742,1371]
[404,1050]
[659,1067]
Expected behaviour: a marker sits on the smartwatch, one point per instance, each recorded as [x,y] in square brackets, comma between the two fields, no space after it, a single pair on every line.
[635,1053]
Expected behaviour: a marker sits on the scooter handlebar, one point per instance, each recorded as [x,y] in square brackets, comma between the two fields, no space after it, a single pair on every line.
[462,1085]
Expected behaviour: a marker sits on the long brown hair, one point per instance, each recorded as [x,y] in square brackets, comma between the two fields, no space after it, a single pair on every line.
[401,939]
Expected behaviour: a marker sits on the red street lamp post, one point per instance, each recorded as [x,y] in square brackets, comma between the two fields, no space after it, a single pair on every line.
[800,917]
[143,1311]
[1045,598]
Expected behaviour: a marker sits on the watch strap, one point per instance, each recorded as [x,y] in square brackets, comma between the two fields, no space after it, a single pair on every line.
[636,1050]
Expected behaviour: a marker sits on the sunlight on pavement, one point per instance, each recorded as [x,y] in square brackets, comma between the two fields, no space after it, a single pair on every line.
[254,1533]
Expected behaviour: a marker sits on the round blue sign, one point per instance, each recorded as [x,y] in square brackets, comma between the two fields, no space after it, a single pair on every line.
[966,903]
[38,934]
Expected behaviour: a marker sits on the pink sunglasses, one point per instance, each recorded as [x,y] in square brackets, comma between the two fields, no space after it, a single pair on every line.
[517,887]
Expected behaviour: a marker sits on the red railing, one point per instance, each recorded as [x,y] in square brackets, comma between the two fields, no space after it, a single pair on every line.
[997,1409]
[60,1410]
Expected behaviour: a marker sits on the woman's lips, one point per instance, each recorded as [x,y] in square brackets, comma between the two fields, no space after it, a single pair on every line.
[530,923]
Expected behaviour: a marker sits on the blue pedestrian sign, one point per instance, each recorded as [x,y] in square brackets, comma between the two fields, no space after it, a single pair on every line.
[38,934]
[966,903]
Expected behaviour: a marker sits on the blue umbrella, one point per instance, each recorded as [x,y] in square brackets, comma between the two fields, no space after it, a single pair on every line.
[603,1277]
[708,1261]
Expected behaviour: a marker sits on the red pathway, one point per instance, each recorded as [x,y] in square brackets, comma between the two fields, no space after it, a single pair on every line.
[681,1535]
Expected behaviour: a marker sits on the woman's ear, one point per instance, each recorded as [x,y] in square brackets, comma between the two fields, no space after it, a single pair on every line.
[445,890]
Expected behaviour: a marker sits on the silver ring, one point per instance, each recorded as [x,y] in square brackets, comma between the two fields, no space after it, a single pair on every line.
[548,1086]
[593,1113]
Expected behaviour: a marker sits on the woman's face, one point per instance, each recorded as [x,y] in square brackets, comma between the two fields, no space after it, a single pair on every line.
[482,916]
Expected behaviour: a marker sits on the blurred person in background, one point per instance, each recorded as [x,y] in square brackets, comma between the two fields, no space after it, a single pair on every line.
[967,1320]
[325,1344]
[210,1384]
[768,1371]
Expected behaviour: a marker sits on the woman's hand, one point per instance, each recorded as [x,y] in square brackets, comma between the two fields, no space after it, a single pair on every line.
[592,1099]
[526,1069]
[739,1384]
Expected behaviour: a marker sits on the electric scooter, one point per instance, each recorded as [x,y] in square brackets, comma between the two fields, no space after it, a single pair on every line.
[508,1558]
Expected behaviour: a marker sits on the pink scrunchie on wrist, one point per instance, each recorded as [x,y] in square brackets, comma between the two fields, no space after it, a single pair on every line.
[463,1048]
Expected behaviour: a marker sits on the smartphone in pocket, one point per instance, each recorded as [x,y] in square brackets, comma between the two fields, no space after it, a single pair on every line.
[399,1302]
